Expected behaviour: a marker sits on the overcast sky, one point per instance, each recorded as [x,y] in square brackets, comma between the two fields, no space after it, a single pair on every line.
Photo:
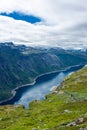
[61,23]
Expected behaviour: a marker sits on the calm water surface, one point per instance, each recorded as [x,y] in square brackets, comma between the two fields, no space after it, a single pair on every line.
[43,86]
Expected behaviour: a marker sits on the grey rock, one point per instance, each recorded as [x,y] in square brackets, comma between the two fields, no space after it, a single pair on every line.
[71,124]
[80,120]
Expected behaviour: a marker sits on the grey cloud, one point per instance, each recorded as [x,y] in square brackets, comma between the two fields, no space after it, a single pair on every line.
[64,23]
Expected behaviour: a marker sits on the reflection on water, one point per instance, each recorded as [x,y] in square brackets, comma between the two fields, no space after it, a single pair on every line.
[40,89]
[42,86]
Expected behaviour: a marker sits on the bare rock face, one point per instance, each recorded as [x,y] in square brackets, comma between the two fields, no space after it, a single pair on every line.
[67,111]
[83,128]
[34,129]
[71,124]
[77,122]
[85,99]
[80,120]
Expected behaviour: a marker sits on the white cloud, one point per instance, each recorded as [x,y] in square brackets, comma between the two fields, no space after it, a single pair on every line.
[64,23]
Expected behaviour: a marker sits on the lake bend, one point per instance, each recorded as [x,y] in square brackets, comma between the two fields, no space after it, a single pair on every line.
[42,86]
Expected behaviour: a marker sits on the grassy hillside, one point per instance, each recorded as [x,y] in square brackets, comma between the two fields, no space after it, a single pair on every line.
[19,65]
[64,109]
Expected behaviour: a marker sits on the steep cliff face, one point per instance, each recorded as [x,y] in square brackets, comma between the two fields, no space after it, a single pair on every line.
[20,64]
[64,109]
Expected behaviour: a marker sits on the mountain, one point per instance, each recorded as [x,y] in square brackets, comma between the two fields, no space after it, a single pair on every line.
[64,109]
[19,65]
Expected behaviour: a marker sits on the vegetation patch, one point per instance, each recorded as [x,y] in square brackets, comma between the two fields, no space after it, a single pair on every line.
[65,109]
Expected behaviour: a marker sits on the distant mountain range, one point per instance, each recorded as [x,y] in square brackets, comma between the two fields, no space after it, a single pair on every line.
[19,65]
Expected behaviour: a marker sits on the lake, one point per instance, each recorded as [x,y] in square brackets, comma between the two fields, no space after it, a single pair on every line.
[41,88]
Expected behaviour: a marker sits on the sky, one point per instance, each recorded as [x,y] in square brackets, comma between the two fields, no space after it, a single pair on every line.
[54,23]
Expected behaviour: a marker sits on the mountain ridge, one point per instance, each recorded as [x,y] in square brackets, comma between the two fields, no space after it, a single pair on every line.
[20,64]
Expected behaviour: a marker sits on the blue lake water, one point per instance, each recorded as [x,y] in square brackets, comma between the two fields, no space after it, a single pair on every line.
[40,89]
[43,86]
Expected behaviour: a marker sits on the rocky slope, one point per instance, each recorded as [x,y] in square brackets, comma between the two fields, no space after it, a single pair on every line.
[64,109]
[19,65]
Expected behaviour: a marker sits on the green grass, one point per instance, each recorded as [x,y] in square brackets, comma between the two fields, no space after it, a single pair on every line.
[59,109]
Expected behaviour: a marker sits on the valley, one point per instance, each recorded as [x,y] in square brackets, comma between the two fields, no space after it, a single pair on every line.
[20,65]
[65,108]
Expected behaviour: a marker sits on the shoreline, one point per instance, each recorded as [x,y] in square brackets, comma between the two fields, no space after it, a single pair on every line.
[14,91]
